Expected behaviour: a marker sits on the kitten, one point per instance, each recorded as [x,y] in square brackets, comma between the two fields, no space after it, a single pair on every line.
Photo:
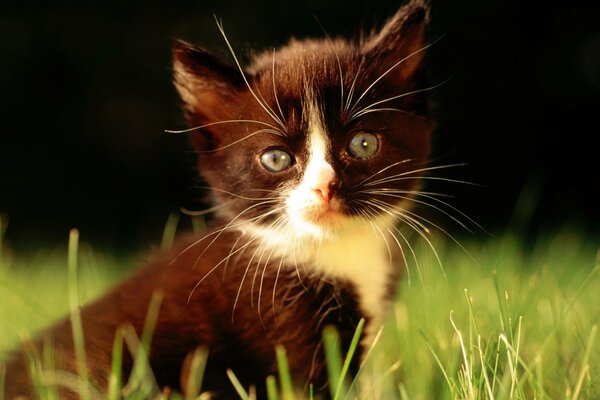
[313,154]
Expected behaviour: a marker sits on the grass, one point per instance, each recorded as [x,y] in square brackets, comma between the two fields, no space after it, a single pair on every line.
[505,322]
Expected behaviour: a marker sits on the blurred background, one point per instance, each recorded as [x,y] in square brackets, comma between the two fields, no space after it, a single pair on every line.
[86,94]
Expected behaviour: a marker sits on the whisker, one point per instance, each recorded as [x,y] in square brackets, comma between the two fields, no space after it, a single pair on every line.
[215,267]
[229,121]
[408,220]
[383,170]
[416,217]
[262,278]
[241,236]
[352,87]
[430,178]
[265,107]
[260,247]
[370,106]
[262,216]
[339,64]
[228,226]
[237,196]
[392,68]
[429,205]
[430,196]
[415,224]
[374,225]
[238,141]
[199,213]
[219,231]
[383,109]
[402,254]
[275,89]
[418,171]
[281,260]
[433,195]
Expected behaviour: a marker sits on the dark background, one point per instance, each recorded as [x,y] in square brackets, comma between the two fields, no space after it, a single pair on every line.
[85,95]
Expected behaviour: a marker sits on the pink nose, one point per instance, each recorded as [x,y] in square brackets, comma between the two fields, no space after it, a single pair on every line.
[326,189]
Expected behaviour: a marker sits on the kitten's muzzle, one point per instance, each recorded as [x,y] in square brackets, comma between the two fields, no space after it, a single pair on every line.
[326,190]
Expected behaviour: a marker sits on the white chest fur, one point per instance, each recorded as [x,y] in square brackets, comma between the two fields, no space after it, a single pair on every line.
[358,253]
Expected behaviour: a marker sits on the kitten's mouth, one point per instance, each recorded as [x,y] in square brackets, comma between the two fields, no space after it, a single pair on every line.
[324,213]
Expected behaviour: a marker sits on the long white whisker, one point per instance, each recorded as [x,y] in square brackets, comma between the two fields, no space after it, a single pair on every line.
[418,171]
[353,86]
[402,254]
[266,264]
[239,140]
[429,178]
[237,196]
[383,109]
[339,64]
[370,106]
[215,267]
[272,226]
[410,221]
[231,253]
[430,196]
[387,245]
[240,237]
[415,224]
[391,69]
[267,109]
[383,170]
[209,210]
[230,121]
[219,231]
[275,89]
[428,205]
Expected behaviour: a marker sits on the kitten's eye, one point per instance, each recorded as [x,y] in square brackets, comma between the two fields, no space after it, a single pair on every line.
[363,145]
[276,160]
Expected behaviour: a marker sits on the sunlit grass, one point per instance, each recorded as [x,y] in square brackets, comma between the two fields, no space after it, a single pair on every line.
[507,321]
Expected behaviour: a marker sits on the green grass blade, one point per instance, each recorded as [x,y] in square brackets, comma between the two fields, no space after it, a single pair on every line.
[333,358]
[438,361]
[196,373]
[115,380]
[239,388]
[141,378]
[351,351]
[285,377]
[198,224]
[169,231]
[76,324]
[151,318]
[585,366]
[48,366]
[272,393]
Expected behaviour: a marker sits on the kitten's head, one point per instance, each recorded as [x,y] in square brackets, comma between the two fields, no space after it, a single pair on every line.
[315,136]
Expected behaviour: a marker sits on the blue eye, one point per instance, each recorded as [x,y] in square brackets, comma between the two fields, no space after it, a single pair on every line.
[275,160]
[363,145]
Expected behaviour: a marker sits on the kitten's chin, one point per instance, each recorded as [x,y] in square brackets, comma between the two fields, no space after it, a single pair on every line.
[319,221]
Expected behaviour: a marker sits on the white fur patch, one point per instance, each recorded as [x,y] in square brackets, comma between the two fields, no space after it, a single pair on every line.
[305,198]
[326,243]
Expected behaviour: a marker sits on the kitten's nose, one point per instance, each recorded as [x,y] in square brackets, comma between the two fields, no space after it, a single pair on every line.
[326,184]
[326,191]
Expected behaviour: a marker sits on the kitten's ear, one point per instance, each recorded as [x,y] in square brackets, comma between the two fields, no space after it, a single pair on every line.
[401,42]
[204,82]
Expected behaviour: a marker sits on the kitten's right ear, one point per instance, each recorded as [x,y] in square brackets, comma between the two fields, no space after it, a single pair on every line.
[400,43]
[204,82]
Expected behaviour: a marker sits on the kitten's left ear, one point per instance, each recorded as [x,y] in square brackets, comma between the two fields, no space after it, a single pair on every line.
[401,41]
[203,81]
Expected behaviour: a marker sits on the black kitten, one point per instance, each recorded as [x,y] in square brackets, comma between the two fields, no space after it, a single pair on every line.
[313,154]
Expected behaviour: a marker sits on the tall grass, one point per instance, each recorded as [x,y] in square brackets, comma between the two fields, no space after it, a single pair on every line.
[504,322]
